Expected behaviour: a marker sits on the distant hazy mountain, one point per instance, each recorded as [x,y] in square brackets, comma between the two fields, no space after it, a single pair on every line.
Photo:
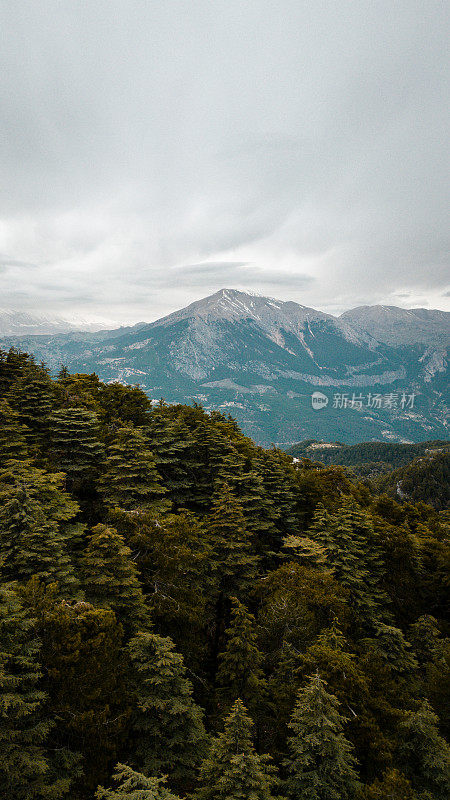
[261,359]
[19,323]
[399,326]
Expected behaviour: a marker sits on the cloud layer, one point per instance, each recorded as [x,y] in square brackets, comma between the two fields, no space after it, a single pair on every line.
[154,152]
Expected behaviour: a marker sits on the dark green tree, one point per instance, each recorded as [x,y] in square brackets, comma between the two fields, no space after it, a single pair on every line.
[24,727]
[110,577]
[130,480]
[424,753]
[240,671]
[13,445]
[395,650]
[321,764]
[259,512]
[232,558]
[279,481]
[13,365]
[305,551]
[135,786]
[171,442]
[34,398]
[75,445]
[84,667]
[353,552]
[167,726]
[174,558]
[122,405]
[233,770]
[31,541]
[392,786]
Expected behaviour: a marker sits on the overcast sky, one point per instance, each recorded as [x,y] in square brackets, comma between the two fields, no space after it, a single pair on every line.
[154,151]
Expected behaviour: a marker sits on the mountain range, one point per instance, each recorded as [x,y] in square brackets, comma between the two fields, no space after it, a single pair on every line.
[380,372]
[20,323]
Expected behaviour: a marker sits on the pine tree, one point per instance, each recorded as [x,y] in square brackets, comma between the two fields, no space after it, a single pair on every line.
[174,559]
[130,480]
[170,442]
[283,686]
[278,477]
[13,434]
[46,488]
[232,558]
[110,577]
[305,551]
[24,727]
[209,454]
[353,552]
[233,770]
[135,786]
[13,365]
[259,512]
[75,445]
[395,650]
[128,405]
[167,725]
[321,765]
[84,664]
[393,786]
[240,673]
[425,754]
[33,397]
[31,542]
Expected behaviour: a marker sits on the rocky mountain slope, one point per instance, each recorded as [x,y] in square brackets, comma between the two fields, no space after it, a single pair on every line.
[400,326]
[261,360]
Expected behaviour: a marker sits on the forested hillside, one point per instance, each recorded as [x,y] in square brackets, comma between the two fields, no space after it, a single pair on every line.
[407,472]
[184,614]
[426,478]
[381,456]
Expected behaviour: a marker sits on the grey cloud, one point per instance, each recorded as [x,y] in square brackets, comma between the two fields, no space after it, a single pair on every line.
[223,273]
[151,151]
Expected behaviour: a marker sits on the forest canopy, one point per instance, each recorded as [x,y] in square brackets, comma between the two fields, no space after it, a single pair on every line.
[184,614]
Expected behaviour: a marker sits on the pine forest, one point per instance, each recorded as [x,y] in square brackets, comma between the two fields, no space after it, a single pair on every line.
[185,615]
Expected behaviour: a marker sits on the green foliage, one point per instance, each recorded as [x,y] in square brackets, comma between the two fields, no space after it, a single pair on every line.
[167,726]
[233,770]
[379,454]
[13,434]
[75,446]
[321,764]
[24,726]
[175,562]
[110,577]
[127,404]
[240,673]
[32,537]
[393,786]
[296,603]
[425,754]
[34,398]
[426,479]
[12,368]
[84,665]
[135,786]
[171,513]
[130,480]
[353,552]
[232,557]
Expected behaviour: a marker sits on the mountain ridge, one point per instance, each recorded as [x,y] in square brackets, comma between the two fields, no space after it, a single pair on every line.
[261,359]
